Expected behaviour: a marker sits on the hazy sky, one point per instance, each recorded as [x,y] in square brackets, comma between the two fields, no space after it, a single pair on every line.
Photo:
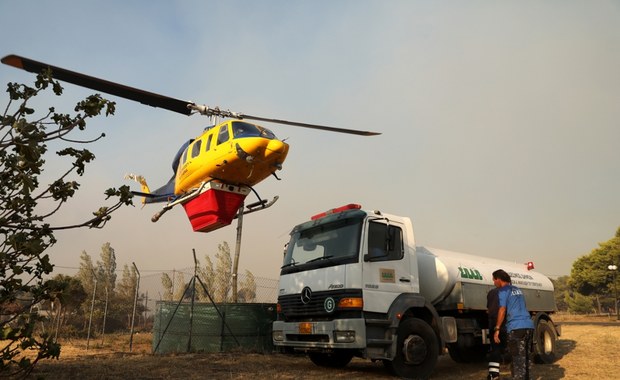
[499,120]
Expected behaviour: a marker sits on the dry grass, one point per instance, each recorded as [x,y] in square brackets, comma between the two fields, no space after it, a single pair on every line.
[585,350]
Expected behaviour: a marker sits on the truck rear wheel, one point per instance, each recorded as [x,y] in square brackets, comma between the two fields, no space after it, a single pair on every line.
[417,350]
[336,359]
[544,342]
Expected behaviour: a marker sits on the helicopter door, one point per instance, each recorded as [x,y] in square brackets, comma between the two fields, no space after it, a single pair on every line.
[223,145]
[223,135]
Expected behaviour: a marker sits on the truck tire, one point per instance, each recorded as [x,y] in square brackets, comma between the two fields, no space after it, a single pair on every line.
[544,342]
[417,350]
[336,359]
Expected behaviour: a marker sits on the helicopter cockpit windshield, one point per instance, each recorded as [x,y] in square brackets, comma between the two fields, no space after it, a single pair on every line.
[242,129]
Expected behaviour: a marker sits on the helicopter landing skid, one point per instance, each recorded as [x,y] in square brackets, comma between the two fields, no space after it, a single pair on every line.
[258,206]
[261,204]
[253,207]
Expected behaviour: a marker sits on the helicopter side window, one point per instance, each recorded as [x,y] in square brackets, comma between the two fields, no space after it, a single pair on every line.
[196,148]
[209,142]
[184,156]
[223,135]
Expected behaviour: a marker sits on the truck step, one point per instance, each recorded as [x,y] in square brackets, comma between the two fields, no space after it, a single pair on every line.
[378,342]
[378,322]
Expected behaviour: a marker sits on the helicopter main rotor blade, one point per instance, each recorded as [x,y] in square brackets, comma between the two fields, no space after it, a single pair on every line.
[312,126]
[144,97]
[149,98]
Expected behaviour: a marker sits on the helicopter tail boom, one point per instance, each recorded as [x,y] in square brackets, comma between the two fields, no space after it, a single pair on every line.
[163,194]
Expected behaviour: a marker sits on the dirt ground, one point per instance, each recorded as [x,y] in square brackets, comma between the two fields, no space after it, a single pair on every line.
[586,350]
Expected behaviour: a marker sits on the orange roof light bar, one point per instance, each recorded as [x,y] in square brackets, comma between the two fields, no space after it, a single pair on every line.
[350,206]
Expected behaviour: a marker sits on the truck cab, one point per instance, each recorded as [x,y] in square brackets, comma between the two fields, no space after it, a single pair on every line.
[347,280]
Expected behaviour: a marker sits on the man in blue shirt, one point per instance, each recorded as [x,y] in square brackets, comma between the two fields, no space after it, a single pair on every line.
[519,324]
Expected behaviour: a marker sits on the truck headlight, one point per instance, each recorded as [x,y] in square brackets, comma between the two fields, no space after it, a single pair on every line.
[344,336]
[277,335]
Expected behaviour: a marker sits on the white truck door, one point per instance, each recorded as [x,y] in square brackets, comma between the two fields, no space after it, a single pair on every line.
[386,267]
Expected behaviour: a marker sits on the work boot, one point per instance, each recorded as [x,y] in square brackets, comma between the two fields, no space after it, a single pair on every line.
[493,371]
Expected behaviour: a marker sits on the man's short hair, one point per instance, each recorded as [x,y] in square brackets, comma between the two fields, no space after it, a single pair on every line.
[501,274]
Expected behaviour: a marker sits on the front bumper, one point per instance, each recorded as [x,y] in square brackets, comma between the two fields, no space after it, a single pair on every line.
[336,334]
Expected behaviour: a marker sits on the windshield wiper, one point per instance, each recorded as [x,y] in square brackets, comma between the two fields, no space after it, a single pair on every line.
[292,263]
[320,258]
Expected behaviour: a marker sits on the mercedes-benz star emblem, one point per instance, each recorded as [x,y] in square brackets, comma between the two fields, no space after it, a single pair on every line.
[306,295]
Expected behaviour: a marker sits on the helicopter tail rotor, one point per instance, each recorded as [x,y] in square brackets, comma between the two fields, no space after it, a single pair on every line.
[144,187]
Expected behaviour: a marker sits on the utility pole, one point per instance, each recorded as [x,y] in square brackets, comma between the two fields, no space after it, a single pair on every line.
[614,269]
[235,269]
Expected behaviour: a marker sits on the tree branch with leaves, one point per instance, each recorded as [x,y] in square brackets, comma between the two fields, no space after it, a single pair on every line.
[26,207]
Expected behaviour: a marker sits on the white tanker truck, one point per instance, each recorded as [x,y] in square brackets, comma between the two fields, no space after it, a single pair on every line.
[353,283]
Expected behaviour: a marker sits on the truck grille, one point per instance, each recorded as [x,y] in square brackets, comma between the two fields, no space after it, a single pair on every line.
[292,309]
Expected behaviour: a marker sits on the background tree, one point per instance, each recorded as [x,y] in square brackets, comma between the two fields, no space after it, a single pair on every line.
[166,283]
[247,289]
[590,275]
[223,272]
[66,300]
[216,278]
[106,303]
[579,304]
[561,289]
[120,297]
[26,207]
[88,277]
[106,268]
[179,290]
[207,275]
[126,293]
[86,272]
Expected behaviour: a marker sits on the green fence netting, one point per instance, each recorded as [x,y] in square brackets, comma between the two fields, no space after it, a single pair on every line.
[208,327]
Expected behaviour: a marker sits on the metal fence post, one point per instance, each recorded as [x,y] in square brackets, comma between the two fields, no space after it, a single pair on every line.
[133,314]
[92,307]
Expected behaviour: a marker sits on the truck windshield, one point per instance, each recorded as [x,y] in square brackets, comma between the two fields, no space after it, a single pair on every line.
[323,245]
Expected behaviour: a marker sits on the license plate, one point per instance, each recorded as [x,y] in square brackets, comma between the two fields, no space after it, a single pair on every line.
[305,328]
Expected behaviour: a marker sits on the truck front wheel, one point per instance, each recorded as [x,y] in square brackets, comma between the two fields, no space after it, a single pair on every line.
[336,359]
[417,350]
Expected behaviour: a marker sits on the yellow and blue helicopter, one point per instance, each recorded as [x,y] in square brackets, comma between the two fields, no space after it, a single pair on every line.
[213,172]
